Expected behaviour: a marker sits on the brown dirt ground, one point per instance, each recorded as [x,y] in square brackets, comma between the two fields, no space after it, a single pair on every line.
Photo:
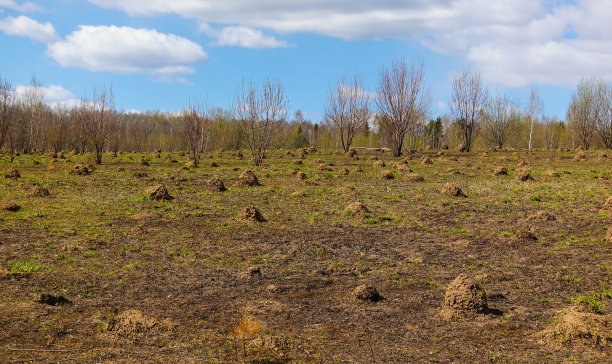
[152,281]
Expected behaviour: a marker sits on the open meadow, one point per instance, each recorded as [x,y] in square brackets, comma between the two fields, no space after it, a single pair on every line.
[329,257]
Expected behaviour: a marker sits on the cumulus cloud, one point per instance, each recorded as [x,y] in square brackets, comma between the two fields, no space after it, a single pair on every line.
[128,50]
[28,27]
[242,36]
[25,7]
[514,42]
[54,95]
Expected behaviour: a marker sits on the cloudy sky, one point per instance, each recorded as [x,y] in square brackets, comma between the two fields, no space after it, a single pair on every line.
[159,54]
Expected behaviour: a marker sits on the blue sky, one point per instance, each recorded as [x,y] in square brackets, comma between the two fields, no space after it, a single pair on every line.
[159,54]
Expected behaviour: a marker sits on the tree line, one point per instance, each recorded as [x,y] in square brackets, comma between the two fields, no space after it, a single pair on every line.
[395,116]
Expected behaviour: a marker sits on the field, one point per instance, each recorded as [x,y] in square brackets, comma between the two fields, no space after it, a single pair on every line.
[98,271]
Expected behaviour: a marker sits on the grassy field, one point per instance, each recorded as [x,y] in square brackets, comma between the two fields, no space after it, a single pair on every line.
[97,271]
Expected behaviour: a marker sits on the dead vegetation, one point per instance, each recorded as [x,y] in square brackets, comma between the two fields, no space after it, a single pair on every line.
[134,325]
[574,327]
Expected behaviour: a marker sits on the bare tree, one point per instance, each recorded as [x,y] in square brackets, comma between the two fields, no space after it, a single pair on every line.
[587,109]
[603,124]
[468,100]
[57,128]
[535,108]
[261,113]
[7,109]
[502,116]
[403,102]
[194,126]
[347,109]
[99,119]
[30,116]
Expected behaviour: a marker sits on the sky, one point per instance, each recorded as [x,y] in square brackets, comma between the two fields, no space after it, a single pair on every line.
[162,54]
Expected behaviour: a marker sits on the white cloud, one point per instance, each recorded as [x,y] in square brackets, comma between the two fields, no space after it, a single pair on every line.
[54,95]
[242,36]
[25,7]
[129,51]
[514,42]
[28,27]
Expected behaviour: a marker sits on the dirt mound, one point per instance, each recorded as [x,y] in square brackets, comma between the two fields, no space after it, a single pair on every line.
[522,164]
[10,206]
[324,167]
[500,171]
[379,164]
[571,326]
[133,324]
[11,173]
[461,148]
[39,191]
[52,300]
[464,295]
[452,189]
[215,184]
[552,173]
[414,177]
[251,214]
[81,170]
[426,160]
[524,237]
[366,293]
[608,204]
[190,164]
[247,179]
[541,216]
[609,234]
[356,208]
[579,156]
[351,153]
[402,167]
[387,174]
[158,192]
[297,161]
[251,273]
[523,175]
[298,194]
[300,175]
[344,171]
[143,162]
